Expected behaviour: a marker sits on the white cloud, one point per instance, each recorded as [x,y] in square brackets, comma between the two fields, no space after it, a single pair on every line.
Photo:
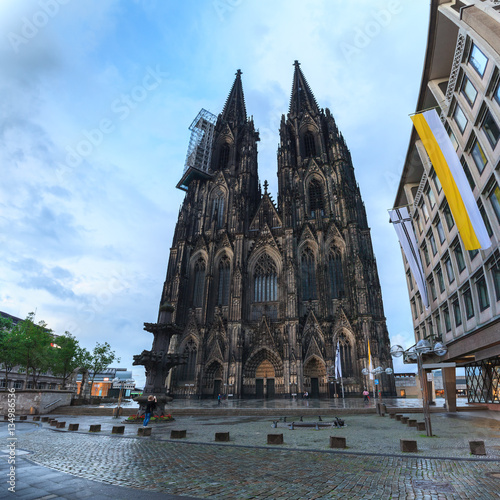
[87,246]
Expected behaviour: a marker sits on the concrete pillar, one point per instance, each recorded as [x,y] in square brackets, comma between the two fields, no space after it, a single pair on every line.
[450,388]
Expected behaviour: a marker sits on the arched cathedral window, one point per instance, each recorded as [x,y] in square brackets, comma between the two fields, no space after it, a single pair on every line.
[265,280]
[308,272]
[335,275]
[199,282]
[188,371]
[345,356]
[224,274]
[224,155]
[315,198]
[218,208]
[309,145]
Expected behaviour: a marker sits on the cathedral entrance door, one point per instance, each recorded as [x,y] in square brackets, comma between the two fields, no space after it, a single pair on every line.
[217,386]
[314,387]
[259,388]
[270,388]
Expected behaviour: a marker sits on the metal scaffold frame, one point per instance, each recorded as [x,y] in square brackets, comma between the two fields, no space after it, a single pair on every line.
[199,151]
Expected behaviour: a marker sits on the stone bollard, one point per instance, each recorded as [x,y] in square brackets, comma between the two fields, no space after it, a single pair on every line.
[398,417]
[177,434]
[412,423]
[53,422]
[222,437]
[408,445]
[45,419]
[275,439]
[95,428]
[36,419]
[73,427]
[144,431]
[23,417]
[118,429]
[392,415]
[420,426]
[477,447]
[337,442]
[404,420]
[60,425]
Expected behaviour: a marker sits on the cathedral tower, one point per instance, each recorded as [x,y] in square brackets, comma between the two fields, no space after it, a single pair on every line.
[264,292]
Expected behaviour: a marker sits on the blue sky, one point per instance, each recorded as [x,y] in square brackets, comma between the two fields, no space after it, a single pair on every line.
[97,98]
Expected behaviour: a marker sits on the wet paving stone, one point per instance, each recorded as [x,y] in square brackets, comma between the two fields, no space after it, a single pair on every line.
[219,472]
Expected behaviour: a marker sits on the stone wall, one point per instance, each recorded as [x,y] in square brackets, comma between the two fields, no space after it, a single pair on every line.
[38,399]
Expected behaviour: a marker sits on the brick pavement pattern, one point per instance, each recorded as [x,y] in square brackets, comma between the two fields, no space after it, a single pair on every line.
[233,472]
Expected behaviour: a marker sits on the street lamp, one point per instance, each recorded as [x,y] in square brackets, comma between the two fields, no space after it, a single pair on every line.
[377,371]
[415,353]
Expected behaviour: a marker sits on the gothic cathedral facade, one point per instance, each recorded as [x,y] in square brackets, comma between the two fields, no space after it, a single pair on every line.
[263,292]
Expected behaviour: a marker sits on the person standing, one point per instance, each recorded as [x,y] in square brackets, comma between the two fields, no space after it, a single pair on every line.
[150,407]
[366,395]
[218,399]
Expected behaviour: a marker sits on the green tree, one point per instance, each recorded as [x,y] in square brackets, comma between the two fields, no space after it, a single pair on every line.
[33,347]
[65,356]
[100,358]
[9,349]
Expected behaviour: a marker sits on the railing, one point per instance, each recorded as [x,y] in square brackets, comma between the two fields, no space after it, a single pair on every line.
[53,403]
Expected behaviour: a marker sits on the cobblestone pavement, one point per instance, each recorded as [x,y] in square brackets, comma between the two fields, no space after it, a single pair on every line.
[245,472]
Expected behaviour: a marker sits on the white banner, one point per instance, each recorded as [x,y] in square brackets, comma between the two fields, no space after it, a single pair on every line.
[401,220]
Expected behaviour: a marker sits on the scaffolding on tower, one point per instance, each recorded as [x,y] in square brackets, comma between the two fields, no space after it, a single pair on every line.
[199,151]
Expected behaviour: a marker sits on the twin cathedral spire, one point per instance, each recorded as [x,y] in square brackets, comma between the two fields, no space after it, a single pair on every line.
[263,291]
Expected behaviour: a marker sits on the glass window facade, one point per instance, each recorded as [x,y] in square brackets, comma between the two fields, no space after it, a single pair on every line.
[469,305]
[449,270]
[469,91]
[468,173]
[478,60]
[460,118]
[448,217]
[478,156]
[432,241]
[482,293]
[456,313]
[491,129]
[440,230]
[459,257]
[494,198]
[439,274]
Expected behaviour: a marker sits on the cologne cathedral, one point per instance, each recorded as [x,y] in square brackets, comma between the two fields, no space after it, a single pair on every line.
[263,292]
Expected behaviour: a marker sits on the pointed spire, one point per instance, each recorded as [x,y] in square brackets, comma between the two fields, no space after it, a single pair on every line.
[302,98]
[234,110]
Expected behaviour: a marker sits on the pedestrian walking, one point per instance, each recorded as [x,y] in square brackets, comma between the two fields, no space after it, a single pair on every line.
[150,408]
[366,395]
[218,399]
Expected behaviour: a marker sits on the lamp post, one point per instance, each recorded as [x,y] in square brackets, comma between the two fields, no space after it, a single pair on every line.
[118,382]
[377,371]
[416,353]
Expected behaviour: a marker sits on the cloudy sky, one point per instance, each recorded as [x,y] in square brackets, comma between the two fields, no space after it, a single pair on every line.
[96,101]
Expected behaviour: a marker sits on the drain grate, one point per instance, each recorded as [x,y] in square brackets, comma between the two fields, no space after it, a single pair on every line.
[433,486]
